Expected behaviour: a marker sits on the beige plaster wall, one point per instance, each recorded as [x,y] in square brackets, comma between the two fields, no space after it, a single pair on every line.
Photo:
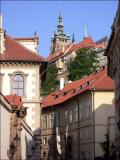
[4,132]
[32,90]
[103,110]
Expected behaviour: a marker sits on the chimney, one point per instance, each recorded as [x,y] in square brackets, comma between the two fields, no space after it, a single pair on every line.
[62,81]
[2,36]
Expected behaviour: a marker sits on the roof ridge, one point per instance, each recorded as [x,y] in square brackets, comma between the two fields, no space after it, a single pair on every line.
[13,40]
[69,48]
[98,80]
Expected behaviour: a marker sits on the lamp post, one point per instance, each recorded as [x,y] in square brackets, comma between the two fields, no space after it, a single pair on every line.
[44,155]
[65,146]
[16,141]
[11,152]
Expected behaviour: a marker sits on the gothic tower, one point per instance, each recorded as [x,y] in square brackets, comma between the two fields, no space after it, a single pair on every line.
[60,39]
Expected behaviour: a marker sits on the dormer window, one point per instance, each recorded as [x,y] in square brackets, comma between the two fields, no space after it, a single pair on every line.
[18,85]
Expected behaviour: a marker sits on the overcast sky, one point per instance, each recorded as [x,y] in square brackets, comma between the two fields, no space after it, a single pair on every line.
[22,18]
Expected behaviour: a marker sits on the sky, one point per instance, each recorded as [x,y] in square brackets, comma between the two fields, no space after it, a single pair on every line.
[22,18]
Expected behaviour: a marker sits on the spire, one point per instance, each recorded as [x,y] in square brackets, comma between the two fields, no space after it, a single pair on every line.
[73,37]
[85,32]
[60,24]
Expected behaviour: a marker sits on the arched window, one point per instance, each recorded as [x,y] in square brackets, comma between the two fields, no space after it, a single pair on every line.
[18,85]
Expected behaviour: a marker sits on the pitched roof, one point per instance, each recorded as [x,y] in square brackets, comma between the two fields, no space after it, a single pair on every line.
[14,51]
[26,38]
[98,80]
[73,47]
[14,100]
[102,40]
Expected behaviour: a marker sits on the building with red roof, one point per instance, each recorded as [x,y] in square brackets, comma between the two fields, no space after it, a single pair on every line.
[22,69]
[76,118]
[62,49]
[15,133]
[62,56]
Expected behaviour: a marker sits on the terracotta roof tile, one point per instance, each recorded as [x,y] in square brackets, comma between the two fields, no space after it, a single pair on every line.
[14,51]
[98,80]
[86,42]
[14,100]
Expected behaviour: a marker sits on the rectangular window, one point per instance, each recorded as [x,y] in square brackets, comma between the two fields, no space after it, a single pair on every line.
[88,110]
[51,120]
[81,112]
[45,141]
[76,113]
[66,116]
[70,116]
[45,121]
[58,119]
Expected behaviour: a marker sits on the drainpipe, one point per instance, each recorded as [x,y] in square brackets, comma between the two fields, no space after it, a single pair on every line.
[93,109]
[78,131]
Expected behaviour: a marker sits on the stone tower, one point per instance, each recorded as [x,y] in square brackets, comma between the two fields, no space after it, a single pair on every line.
[59,39]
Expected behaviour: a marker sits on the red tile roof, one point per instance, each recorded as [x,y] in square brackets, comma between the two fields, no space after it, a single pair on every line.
[86,42]
[98,80]
[14,100]
[26,38]
[14,51]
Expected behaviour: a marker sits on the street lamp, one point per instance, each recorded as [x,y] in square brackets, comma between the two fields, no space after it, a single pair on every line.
[16,141]
[65,146]
[44,155]
[11,152]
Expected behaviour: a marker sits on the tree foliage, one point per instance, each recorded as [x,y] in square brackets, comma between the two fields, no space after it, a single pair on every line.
[84,63]
[50,84]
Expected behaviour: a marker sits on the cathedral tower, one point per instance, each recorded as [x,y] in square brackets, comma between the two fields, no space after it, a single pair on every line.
[60,39]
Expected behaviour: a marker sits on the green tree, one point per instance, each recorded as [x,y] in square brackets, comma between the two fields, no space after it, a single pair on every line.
[84,63]
[50,84]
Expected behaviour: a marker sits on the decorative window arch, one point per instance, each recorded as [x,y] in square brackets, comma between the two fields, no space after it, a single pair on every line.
[18,85]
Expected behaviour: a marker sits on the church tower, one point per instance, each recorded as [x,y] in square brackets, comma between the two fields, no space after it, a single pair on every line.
[59,39]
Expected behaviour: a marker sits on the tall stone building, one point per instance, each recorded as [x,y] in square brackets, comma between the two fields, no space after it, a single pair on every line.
[60,39]
[76,118]
[20,73]
[113,54]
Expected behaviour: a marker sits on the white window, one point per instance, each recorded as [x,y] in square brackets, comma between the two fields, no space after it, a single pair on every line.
[66,116]
[45,121]
[18,85]
[45,141]
[88,110]
[51,120]
[70,116]
[81,112]
[58,119]
[76,113]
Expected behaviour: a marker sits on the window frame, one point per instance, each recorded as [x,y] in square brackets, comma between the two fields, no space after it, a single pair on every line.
[11,75]
[18,84]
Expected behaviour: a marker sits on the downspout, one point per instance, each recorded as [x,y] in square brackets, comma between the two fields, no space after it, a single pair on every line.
[78,131]
[93,109]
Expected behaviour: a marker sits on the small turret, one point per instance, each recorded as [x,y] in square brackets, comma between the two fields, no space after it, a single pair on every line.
[73,38]
[85,32]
